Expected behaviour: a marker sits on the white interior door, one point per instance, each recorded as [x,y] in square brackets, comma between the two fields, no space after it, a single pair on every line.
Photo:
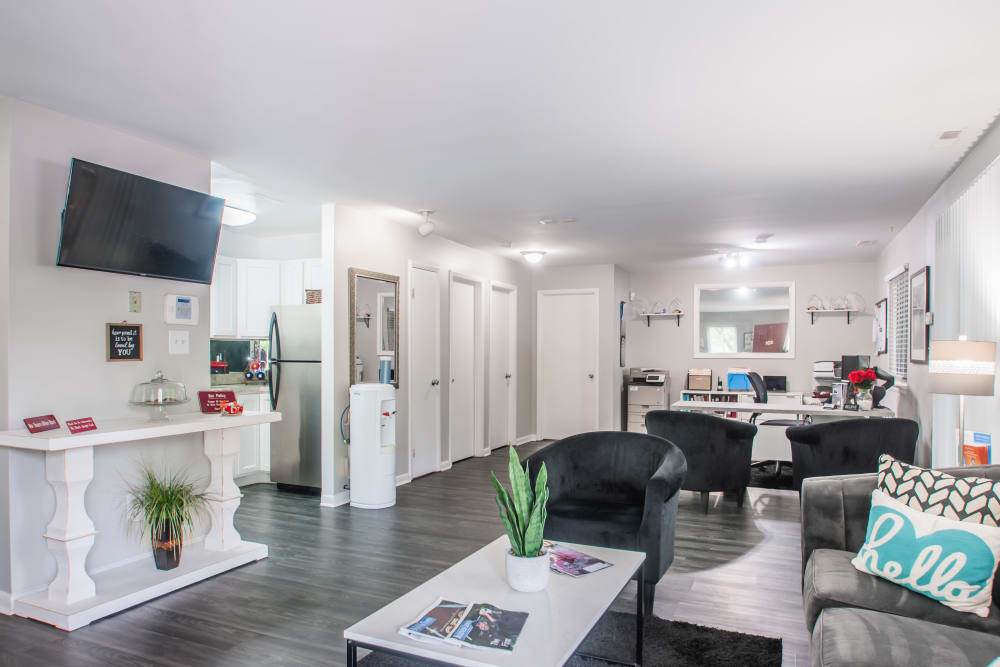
[503,361]
[425,371]
[567,362]
[465,390]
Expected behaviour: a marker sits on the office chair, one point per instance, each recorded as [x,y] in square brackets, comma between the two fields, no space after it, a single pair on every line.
[760,391]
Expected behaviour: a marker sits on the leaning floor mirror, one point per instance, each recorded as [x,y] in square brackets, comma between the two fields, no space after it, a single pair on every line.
[374,327]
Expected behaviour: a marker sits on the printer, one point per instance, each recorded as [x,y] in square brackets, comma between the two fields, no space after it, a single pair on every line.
[648,376]
[643,389]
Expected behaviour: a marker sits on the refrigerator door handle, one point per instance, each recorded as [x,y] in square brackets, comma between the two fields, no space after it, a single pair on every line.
[274,384]
[274,338]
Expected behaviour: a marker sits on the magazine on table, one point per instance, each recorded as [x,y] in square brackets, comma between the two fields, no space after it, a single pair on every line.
[564,560]
[478,625]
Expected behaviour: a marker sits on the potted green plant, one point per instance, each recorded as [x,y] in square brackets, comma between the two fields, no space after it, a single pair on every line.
[165,509]
[523,514]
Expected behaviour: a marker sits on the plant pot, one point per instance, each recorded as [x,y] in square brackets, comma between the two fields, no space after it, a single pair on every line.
[528,575]
[166,551]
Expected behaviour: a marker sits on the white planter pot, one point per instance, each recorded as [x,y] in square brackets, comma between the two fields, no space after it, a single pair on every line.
[528,575]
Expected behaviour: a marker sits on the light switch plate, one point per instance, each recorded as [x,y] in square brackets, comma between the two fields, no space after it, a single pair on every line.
[179,342]
[135,302]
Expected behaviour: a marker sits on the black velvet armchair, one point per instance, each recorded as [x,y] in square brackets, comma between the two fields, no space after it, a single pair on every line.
[615,489]
[849,446]
[717,450]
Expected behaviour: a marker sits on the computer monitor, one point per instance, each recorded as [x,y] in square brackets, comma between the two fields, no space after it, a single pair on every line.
[853,362]
[776,383]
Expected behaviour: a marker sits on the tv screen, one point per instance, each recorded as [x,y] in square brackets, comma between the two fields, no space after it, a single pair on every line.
[120,222]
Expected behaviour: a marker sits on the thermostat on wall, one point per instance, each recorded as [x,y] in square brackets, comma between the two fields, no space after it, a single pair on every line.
[179,309]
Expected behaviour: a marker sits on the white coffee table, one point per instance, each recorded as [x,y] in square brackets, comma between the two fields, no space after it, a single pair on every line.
[559,618]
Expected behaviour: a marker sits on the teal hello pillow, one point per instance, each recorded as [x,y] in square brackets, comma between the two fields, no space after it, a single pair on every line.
[950,561]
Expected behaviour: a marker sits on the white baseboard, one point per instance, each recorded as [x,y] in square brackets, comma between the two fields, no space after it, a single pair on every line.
[531,437]
[255,477]
[335,500]
[405,478]
[444,465]
[6,604]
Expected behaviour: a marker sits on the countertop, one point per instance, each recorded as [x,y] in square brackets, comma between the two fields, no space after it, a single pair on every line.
[239,388]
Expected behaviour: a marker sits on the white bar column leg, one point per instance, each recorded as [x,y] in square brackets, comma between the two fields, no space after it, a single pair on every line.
[70,534]
[222,494]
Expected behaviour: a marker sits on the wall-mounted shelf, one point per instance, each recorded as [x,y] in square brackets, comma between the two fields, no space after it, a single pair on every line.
[367,320]
[650,316]
[813,313]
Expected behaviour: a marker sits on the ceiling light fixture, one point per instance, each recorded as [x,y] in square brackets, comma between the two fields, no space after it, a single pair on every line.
[426,227]
[866,243]
[948,135]
[237,217]
[533,256]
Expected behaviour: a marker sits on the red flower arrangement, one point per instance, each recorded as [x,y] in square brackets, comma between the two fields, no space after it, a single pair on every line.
[863,380]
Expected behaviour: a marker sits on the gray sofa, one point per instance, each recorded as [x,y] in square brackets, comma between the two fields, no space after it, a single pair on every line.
[858,619]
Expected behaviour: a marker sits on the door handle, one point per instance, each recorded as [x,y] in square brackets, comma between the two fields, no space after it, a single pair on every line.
[507,376]
[435,382]
[590,375]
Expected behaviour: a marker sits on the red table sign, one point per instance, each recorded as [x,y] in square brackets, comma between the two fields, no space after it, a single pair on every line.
[211,401]
[81,425]
[43,423]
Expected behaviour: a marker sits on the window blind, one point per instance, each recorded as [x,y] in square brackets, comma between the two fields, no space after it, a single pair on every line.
[899,305]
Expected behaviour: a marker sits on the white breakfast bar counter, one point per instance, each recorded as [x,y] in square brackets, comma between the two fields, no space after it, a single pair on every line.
[76,597]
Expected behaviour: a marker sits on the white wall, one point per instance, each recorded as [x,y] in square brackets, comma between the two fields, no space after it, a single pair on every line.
[914,245]
[243,245]
[665,345]
[365,241]
[5,142]
[57,334]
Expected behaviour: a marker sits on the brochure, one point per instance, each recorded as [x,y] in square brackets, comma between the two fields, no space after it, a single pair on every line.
[479,625]
[564,560]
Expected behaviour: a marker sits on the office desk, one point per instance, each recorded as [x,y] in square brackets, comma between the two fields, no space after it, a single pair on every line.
[770,443]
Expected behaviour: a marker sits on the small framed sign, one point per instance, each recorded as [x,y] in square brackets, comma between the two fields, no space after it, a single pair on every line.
[211,401]
[81,425]
[124,342]
[42,423]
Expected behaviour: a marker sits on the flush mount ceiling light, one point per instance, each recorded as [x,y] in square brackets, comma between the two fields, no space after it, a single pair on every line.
[731,260]
[553,221]
[426,227]
[533,256]
[237,217]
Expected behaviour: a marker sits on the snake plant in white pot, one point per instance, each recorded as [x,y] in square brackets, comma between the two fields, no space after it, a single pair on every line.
[523,514]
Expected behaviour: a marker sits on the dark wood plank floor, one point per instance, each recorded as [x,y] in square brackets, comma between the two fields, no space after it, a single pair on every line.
[735,569]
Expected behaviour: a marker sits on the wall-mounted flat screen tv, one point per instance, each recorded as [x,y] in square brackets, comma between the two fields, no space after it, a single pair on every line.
[123,223]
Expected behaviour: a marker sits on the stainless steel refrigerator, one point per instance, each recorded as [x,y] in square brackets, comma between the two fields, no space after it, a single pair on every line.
[293,382]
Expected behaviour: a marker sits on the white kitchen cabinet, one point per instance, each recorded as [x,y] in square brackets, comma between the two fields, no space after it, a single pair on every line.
[248,460]
[313,270]
[292,282]
[265,435]
[223,315]
[258,290]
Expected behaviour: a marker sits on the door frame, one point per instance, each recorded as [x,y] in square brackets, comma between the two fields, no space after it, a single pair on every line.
[479,362]
[511,291]
[596,292]
[410,267]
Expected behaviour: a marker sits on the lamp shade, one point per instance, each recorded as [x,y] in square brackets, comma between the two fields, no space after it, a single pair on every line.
[962,367]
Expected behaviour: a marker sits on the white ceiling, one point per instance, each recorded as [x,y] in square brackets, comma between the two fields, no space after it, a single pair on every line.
[667,129]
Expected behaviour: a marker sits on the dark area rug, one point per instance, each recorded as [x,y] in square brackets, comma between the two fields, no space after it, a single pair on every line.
[666,643]
[763,477]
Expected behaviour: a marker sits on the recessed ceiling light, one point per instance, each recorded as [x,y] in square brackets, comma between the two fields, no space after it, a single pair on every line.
[866,243]
[237,217]
[533,256]
[948,135]
[546,221]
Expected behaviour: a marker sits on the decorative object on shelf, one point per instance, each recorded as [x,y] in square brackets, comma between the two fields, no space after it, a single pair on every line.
[879,327]
[159,393]
[231,408]
[365,315]
[863,382]
[920,305]
[838,303]
[856,302]
[211,401]
[164,509]
[815,303]
[523,514]
[81,425]
[676,307]
[124,341]
[40,424]
[314,296]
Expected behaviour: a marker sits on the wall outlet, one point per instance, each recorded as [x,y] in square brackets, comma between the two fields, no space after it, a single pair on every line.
[179,342]
[135,302]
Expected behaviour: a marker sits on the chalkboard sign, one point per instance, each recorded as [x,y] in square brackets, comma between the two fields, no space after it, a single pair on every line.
[124,342]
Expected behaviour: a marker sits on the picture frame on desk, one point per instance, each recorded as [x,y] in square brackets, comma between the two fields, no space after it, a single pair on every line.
[920,305]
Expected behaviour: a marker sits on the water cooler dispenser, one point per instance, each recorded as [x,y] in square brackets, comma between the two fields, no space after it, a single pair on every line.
[373,446]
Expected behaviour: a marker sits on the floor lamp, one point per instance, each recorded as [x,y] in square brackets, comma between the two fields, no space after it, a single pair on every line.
[963,367]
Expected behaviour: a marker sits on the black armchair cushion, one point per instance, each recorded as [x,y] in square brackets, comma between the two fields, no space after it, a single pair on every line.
[614,489]
[849,446]
[717,449]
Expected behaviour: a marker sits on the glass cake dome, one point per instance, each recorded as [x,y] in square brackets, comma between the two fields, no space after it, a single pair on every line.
[159,393]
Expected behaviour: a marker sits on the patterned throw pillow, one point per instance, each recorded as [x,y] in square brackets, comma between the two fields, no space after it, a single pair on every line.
[972,499]
[953,562]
